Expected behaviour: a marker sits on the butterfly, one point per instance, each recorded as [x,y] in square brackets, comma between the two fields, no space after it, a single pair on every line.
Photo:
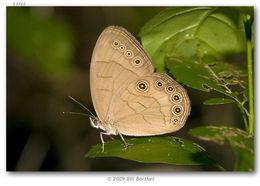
[129,97]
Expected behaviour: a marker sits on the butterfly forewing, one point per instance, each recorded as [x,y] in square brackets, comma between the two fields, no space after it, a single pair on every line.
[112,67]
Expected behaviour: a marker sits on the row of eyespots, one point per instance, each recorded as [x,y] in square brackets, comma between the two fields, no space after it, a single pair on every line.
[136,61]
[176,119]
[175,97]
[160,84]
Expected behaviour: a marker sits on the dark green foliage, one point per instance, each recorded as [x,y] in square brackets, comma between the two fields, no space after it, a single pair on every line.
[241,142]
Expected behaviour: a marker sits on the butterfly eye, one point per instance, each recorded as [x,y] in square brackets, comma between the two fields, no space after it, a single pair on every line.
[177,110]
[142,86]
[170,89]
[115,44]
[137,61]
[128,54]
[176,98]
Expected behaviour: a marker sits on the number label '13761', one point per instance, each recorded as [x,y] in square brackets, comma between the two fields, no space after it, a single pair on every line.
[18,3]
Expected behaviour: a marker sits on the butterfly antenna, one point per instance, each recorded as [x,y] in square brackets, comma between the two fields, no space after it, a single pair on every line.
[81,105]
[76,113]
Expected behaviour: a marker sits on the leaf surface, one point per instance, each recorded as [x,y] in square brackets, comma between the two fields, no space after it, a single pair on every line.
[241,142]
[218,101]
[193,32]
[162,149]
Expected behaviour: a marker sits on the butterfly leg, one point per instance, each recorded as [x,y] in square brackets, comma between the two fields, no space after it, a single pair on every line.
[125,143]
[102,140]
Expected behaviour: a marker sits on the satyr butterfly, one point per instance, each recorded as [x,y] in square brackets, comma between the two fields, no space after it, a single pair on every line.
[129,97]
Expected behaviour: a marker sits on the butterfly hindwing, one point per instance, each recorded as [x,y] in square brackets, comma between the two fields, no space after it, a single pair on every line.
[151,105]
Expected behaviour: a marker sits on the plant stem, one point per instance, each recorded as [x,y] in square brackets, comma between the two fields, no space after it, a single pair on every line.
[250,87]
[250,75]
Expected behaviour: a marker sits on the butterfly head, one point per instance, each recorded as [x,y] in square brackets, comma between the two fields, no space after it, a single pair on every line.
[105,126]
[95,122]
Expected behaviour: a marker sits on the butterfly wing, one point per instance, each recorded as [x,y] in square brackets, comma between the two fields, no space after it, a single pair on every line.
[117,60]
[151,105]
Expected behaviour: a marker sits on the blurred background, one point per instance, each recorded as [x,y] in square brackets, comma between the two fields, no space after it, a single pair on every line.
[48,57]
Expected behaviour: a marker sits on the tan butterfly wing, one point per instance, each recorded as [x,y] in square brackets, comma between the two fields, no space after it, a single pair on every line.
[161,107]
[127,93]
[111,67]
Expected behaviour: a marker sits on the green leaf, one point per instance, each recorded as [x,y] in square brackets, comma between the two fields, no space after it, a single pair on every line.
[241,142]
[45,41]
[218,101]
[219,76]
[193,32]
[164,149]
